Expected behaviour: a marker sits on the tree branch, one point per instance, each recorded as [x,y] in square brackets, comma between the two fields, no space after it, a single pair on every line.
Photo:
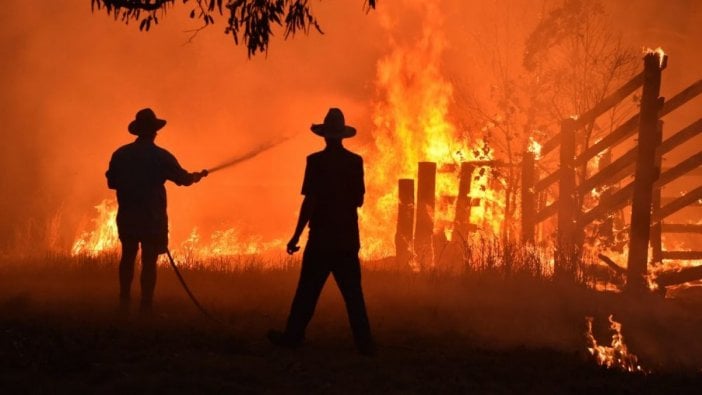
[136,4]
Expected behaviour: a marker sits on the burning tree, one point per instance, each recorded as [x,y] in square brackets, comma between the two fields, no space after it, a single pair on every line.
[572,59]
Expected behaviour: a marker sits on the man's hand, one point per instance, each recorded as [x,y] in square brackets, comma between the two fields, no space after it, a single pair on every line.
[199,175]
[292,245]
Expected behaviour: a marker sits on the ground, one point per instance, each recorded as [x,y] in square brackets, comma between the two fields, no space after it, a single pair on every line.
[474,333]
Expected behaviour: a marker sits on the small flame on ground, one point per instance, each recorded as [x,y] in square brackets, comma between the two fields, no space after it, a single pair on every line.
[103,237]
[617,355]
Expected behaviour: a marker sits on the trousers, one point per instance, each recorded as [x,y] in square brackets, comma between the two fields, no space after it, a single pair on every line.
[316,267]
[149,255]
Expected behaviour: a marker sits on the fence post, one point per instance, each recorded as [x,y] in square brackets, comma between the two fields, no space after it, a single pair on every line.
[405,221]
[606,228]
[657,228]
[424,228]
[644,176]
[461,225]
[568,207]
[528,198]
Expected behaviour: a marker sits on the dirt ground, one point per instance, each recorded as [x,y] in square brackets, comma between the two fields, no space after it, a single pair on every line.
[474,333]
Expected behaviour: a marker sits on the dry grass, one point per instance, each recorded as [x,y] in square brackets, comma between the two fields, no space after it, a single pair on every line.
[483,329]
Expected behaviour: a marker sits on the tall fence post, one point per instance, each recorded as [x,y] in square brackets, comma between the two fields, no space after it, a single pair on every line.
[528,198]
[405,221]
[644,176]
[568,207]
[461,225]
[657,228]
[606,228]
[424,228]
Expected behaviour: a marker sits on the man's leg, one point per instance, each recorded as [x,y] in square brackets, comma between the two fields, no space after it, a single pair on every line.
[313,275]
[126,269]
[149,255]
[347,273]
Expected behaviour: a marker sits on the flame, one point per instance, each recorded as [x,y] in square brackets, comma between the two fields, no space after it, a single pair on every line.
[617,355]
[658,51]
[534,147]
[103,237]
[229,242]
[412,124]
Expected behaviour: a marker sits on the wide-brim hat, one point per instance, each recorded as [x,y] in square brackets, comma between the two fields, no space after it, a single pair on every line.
[334,126]
[145,122]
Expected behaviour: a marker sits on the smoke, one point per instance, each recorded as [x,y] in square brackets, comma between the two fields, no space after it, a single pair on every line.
[73,80]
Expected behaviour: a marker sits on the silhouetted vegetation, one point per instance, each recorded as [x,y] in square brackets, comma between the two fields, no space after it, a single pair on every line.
[248,21]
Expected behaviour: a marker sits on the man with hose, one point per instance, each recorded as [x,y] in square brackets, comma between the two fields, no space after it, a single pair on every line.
[138,171]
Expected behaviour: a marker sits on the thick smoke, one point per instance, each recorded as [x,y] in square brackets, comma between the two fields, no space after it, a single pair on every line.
[73,80]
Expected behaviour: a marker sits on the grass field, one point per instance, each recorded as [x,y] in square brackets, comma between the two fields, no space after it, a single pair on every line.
[478,332]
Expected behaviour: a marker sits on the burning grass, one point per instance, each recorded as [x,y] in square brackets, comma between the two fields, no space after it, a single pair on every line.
[486,329]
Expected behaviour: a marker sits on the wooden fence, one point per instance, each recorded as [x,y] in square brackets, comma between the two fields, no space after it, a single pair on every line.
[648,209]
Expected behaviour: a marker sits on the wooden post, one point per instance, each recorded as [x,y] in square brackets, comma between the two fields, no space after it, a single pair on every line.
[606,228]
[405,221]
[568,207]
[644,176]
[528,198]
[424,228]
[656,229]
[461,225]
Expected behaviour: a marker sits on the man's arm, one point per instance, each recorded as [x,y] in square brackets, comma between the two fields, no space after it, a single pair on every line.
[174,172]
[111,174]
[305,213]
[360,184]
[309,191]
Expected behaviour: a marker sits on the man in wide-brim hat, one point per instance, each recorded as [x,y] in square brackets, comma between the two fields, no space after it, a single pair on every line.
[333,188]
[138,172]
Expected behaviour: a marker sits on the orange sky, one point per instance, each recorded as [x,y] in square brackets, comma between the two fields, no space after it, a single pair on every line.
[72,81]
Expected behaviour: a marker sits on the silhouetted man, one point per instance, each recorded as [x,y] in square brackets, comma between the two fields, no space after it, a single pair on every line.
[138,172]
[333,189]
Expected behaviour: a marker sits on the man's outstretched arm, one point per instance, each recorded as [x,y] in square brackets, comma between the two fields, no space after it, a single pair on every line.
[304,217]
[181,177]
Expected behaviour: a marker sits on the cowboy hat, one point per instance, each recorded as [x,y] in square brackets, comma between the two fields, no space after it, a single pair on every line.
[145,122]
[334,126]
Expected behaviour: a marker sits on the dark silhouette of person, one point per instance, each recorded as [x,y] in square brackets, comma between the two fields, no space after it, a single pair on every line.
[333,189]
[138,172]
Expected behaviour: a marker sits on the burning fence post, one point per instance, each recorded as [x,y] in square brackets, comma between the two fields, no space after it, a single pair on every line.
[424,228]
[568,205]
[528,197]
[462,224]
[606,228]
[656,229]
[645,174]
[405,221]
